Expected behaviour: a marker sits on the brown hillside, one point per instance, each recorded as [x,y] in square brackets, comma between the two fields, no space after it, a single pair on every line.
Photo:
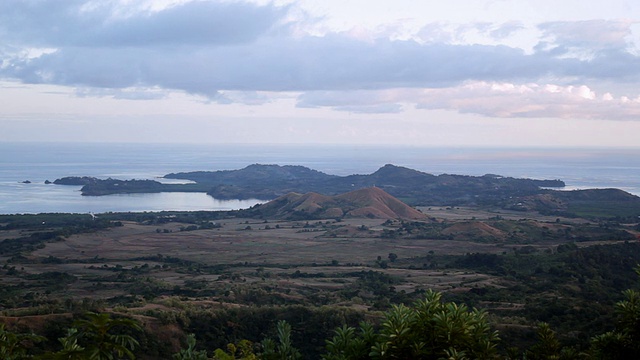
[474,229]
[375,202]
[369,202]
[310,202]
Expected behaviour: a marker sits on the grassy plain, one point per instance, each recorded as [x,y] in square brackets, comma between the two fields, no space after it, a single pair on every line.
[523,267]
[296,259]
[258,256]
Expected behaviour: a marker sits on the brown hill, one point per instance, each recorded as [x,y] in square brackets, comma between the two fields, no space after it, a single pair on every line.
[369,202]
[474,230]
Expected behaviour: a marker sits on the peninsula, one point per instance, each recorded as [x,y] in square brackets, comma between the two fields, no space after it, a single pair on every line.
[416,188]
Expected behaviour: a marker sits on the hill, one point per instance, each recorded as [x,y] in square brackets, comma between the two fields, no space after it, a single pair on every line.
[257,174]
[267,182]
[371,202]
[414,187]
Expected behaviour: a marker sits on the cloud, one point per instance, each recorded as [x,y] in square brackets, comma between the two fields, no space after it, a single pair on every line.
[332,62]
[112,24]
[236,52]
[436,33]
[591,35]
[605,48]
[253,98]
[507,100]
[492,99]
[505,30]
[124,94]
[360,101]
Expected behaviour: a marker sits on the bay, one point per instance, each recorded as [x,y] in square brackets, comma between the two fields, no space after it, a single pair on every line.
[36,162]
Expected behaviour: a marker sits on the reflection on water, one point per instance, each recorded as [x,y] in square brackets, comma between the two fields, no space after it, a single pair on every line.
[41,198]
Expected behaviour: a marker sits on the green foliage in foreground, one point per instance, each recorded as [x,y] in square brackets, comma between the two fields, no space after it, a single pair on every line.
[624,341]
[429,329]
[12,345]
[102,338]
[190,353]
[95,337]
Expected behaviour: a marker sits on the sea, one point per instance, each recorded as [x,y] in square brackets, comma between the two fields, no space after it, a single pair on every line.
[24,168]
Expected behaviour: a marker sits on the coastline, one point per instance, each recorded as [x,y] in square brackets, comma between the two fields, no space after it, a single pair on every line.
[37,162]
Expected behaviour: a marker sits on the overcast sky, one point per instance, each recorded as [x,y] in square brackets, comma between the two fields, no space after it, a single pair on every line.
[430,73]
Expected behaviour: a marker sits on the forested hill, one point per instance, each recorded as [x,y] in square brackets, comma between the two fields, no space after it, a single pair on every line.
[268,182]
[412,186]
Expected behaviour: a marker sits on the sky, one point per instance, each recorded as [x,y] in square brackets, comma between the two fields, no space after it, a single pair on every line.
[513,73]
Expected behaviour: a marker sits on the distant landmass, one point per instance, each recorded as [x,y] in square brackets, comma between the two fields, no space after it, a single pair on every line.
[92,186]
[411,186]
[268,182]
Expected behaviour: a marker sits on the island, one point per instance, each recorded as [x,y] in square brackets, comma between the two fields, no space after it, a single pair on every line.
[416,188]
[521,260]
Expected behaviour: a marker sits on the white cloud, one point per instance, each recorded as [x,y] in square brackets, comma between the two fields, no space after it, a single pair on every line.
[591,35]
[506,29]
[124,93]
[491,99]
[530,101]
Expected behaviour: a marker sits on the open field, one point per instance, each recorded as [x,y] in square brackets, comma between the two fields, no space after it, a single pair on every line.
[290,244]
[171,269]
[457,213]
[232,255]
[347,261]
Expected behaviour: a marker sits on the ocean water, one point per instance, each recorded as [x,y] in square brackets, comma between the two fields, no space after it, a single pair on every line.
[37,162]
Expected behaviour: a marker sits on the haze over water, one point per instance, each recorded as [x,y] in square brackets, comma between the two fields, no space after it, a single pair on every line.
[37,162]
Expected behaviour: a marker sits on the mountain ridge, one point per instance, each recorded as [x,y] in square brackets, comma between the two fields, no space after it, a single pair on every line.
[413,187]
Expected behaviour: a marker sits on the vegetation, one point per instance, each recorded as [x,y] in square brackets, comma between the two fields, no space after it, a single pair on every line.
[195,285]
[413,186]
[430,329]
[268,182]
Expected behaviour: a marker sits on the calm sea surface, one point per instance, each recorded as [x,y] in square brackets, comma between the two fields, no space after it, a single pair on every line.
[579,168]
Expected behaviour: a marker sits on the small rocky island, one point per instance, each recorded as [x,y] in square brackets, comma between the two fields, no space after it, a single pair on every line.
[76,180]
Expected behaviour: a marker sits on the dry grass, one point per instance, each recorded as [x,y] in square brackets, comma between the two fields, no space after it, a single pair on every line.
[271,256]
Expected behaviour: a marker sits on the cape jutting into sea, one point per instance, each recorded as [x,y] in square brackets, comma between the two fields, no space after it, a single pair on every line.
[24,168]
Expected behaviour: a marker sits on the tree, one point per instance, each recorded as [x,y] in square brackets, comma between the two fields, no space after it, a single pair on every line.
[283,349]
[190,353]
[242,351]
[624,341]
[430,329]
[547,347]
[102,336]
[15,346]
[71,350]
[349,344]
